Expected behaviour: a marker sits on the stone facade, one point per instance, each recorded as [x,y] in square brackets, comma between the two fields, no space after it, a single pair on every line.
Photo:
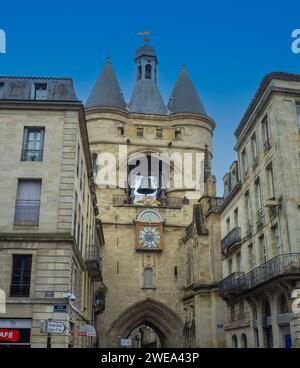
[260,220]
[44,144]
[131,303]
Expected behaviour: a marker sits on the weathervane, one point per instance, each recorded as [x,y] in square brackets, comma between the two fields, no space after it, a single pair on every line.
[145,35]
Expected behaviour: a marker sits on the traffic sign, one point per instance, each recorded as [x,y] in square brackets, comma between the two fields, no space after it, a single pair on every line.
[56,327]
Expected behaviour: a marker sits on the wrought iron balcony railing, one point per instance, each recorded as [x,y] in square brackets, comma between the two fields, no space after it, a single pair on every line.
[93,263]
[171,202]
[284,265]
[32,155]
[214,203]
[20,290]
[27,212]
[233,237]
[230,283]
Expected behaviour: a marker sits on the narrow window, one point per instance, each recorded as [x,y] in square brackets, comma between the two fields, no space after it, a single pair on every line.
[148,277]
[244,161]
[236,217]
[254,150]
[276,239]
[228,224]
[229,266]
[139,72]
[21,275]
[148,71]
[40,91]
[251,258]
[94,164]
[238,262]
[27,210]
[270,180]
[78,160]
[262,249]
[33,144]
[266,133]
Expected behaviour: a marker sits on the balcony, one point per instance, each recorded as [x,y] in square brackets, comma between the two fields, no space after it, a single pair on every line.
[259,219]
[20,290]
[93,264]
[231,238]
[27,212]
[169,202]
[283,266]
[230,283]
[32,155]
[214,203]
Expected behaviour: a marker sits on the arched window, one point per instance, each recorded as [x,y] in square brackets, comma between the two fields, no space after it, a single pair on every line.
[284,308]
[244,341]
[234,342]
[148,71]
[149,216]
[139,72]
[148,277]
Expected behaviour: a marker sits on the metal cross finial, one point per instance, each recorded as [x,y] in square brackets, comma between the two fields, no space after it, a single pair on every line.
[145,35]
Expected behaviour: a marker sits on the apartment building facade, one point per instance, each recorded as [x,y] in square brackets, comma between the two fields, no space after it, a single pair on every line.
[49,237]
[259,217]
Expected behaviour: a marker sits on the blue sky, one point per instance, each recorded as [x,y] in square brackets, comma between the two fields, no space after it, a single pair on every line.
[227,46]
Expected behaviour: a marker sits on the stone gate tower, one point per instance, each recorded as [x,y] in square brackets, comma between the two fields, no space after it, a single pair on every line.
[144,220]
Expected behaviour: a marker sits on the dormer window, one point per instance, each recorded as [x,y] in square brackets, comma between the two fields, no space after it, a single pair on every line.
[148,71]
[1,89]
[40,91]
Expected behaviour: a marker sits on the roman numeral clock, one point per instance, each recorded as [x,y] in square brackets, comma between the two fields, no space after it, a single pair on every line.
[149,232]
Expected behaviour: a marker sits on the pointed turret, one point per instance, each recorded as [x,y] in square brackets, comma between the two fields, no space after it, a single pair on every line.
[106,91]
[184,97]
[146,98]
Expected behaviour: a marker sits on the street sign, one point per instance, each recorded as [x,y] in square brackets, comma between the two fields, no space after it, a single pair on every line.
[56,327]
[60,308]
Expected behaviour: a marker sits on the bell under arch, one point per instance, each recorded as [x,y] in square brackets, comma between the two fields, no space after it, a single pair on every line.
[163,320]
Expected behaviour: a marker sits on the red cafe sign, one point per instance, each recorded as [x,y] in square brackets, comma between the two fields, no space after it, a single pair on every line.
[9,335]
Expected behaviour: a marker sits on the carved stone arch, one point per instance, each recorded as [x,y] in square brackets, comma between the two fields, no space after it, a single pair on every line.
[163,320]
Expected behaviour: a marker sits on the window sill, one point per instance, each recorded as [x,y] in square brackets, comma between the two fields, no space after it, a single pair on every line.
[148,288]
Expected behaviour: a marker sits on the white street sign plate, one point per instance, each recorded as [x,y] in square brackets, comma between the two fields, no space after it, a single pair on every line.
[56,327]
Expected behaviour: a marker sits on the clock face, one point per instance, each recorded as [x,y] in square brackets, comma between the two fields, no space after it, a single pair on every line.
[149,237]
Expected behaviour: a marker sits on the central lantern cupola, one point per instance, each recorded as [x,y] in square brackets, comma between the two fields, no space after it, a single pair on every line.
[146,98]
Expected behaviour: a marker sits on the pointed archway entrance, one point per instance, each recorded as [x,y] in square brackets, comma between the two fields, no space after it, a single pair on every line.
[150,312]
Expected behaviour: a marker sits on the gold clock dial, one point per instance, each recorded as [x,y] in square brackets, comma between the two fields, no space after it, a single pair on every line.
[149,237]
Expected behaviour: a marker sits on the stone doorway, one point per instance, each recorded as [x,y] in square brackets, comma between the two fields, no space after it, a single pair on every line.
[150,313]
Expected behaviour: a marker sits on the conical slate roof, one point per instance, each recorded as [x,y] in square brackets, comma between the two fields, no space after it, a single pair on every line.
[146,99]
[106,91]
[184,97]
